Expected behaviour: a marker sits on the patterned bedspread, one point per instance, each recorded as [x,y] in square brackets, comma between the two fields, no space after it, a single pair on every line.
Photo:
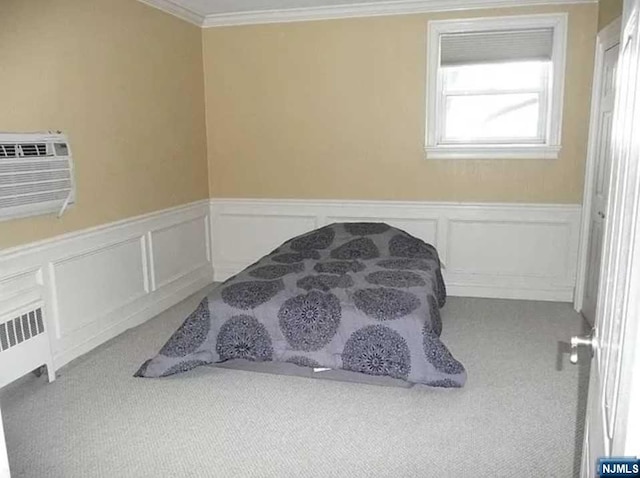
[363,297]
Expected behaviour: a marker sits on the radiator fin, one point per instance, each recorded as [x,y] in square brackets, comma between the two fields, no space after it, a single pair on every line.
[20,329]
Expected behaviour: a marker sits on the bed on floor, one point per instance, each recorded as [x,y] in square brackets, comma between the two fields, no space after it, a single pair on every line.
[358,297]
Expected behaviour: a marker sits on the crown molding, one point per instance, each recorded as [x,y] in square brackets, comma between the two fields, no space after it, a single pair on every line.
[371,9]
[401,7]
[173,8]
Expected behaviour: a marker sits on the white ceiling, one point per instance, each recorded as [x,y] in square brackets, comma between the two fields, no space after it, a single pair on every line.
[213,13]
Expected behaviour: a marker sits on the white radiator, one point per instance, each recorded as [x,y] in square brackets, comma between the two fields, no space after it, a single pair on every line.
[24,343]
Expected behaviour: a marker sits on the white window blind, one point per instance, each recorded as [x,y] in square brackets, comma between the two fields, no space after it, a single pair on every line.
[496,46]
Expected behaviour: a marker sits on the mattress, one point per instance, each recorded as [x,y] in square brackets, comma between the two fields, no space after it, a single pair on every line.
[359,297]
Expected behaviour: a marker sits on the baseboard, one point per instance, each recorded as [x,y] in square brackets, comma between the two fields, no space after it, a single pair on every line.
[562,294]
[511,251]
[99,282]
[148,311]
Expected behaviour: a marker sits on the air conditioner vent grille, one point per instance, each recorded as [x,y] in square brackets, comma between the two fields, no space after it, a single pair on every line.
[20,167]
[33,188]
[25,150]
[20,329]
[36,174]
[33,199]
[35,177]
[8,151]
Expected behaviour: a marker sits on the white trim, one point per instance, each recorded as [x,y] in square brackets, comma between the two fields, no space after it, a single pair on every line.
[372,9]
[4,459]
[398,205]
[492,152]
[152,309]
[559,61]
[607,38]
[515,251]
[177,10]
[553,136]
[188,238]
[92,232]
[86,300]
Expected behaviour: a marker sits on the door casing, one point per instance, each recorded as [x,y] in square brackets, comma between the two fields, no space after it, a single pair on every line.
[607,38]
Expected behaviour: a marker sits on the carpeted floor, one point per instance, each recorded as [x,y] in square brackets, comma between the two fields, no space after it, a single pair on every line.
[517,416]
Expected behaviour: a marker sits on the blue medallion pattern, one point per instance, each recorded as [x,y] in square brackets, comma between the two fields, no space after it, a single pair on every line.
[361,248]
[395,279]
[434,312]
[441,289]
[243,337]
[325,282]
[248,295]
[338,267]
[191,334]
[293,257]
[275,271]
[377,350]
[319,239]
[403,245]
[385,304]
[309,321]
[437,354]
[366,228]
[363,297]
[405,264]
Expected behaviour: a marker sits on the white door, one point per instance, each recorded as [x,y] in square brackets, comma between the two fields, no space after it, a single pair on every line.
[615,334]
[4,460]
[610,40]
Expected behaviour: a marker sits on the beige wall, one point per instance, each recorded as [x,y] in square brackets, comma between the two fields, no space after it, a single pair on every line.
[331,109]
[336,109]
[125,81]
[608,10]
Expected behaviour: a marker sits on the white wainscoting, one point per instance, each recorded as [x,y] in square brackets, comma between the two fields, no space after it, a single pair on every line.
[96,283]
[519,251]
[99,282]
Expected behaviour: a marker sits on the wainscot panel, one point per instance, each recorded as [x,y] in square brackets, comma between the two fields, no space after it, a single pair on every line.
[96,283]
[515,251]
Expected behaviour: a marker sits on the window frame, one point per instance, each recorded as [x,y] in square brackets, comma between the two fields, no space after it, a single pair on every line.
[435,148]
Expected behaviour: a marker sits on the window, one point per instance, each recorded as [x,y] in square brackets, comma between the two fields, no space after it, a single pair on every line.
[495,87]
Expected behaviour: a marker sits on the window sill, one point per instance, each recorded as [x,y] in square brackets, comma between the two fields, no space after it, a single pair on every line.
[492,152]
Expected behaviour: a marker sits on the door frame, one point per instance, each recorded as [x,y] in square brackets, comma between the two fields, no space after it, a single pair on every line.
[623,211]
[607,37]
[4,459]
[627,439]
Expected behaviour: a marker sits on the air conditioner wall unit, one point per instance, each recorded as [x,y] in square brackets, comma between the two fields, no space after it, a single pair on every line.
[36,174]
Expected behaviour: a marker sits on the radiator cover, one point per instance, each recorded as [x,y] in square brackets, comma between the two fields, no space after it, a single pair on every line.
[24,343]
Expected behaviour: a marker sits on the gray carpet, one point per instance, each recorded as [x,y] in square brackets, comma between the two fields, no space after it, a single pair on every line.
[515,418]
